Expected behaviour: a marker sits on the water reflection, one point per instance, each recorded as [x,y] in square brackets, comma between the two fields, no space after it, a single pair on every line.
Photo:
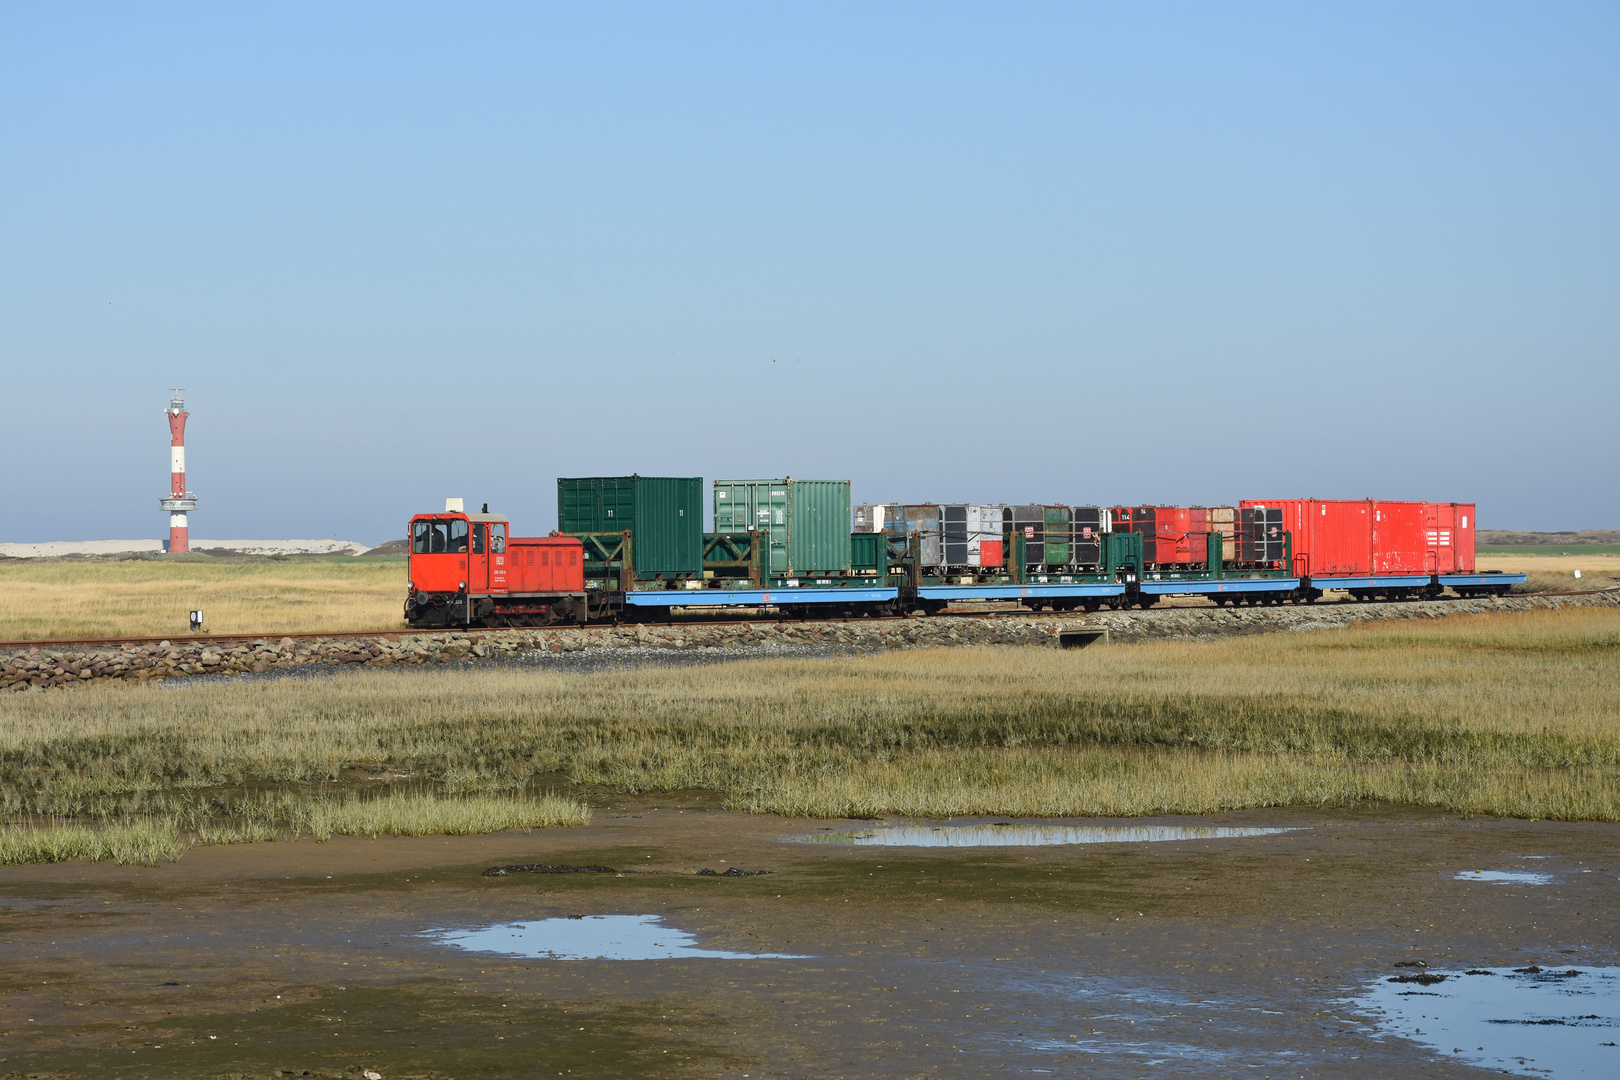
[1009,835]
[592,937]
[1505,877]
[1557,1022]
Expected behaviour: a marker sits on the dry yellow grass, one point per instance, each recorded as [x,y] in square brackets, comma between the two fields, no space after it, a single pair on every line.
[1556,573]
[73,598]
[1511,714]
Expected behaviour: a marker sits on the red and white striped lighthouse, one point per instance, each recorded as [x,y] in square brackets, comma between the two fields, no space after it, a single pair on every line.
[180,501]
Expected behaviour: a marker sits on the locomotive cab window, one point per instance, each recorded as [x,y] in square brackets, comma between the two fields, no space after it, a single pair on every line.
[478,539]
[497,538]
[431,538]
[438,537]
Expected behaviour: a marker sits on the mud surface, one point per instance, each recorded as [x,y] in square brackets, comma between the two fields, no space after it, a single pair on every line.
[1238,956]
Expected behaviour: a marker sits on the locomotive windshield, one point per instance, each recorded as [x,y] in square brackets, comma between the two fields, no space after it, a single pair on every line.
[439,537]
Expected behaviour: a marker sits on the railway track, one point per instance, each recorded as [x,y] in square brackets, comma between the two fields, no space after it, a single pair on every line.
[328,635]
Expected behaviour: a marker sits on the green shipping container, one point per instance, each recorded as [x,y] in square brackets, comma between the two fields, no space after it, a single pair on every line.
[663,513]
[868,552]
[806,522]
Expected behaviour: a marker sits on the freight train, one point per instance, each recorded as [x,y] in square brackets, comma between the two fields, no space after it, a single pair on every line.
[634,546]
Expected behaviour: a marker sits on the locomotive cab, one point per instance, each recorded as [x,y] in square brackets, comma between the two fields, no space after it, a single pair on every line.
[466,570]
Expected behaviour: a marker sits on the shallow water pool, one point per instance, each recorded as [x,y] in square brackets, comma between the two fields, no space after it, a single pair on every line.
[1556,1022]
[1010,835]
[1505,877]
[591,937]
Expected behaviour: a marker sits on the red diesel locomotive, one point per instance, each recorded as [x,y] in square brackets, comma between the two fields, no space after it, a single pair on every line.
[465,569]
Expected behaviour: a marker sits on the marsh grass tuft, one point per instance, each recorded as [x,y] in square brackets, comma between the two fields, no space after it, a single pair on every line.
[426,814]
[144,842]
[1515,714]
[285,815]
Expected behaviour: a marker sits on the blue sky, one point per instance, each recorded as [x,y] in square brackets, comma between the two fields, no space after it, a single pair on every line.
[986,252]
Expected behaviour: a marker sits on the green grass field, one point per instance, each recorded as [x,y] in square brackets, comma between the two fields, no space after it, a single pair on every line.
[1549,549]
[1514,714]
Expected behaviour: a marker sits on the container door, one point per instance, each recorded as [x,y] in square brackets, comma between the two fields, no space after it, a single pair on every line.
[1462,538]
[730,514]
[771,512]
[616,506]
[1439,529]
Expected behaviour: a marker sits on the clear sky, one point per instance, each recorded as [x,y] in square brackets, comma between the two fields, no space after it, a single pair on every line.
[1150,252]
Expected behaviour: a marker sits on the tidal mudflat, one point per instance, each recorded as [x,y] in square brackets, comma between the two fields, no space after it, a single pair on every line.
[1194,956]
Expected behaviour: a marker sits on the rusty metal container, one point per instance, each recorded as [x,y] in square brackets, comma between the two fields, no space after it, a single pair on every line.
[926,520]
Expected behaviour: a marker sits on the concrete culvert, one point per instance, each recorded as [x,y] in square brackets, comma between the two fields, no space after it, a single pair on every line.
[1079,639]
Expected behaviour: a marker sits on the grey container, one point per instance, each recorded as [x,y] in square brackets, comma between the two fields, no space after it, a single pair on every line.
[806,522]
[869,518]
[663,513]
[965,527]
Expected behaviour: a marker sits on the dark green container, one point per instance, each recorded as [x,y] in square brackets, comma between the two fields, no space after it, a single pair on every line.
[868,552]
[664,514]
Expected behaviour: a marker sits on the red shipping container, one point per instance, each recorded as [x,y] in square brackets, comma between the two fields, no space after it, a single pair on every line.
[1448,536]
[545,564]
[990,552]
[1331,537]
[1362,537]
[1400,542]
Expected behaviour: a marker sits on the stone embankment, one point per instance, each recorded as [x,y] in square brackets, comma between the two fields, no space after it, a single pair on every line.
[37,669]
